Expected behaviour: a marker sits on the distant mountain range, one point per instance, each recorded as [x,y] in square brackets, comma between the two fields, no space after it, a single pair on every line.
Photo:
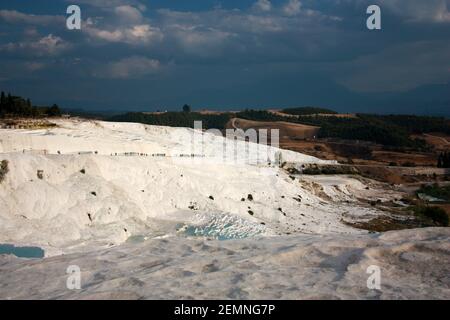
[432,100]
[425,100]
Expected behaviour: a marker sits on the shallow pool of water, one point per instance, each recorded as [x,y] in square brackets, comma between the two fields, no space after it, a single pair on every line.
[136,239]
[22,252]
[207,231]
[225,232]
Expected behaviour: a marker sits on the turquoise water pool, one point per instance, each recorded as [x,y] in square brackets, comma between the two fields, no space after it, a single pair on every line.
[22,252]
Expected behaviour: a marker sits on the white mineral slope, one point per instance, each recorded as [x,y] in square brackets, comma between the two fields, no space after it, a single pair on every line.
[64,202]
[104,200]
[414,264]
[110,138]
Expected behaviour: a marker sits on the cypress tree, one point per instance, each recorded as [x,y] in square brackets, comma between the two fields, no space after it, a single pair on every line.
[54,111]
[28,110]
[2,104]
[9,103]
[186,108]
[440,163]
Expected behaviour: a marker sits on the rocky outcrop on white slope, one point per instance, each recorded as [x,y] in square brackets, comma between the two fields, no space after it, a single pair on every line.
[414,264]
[64,203]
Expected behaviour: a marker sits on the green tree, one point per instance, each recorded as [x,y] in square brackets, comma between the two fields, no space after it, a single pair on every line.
[440,163]
[9,107]
[28,109]
[2,104]
[186,108]
[54,111]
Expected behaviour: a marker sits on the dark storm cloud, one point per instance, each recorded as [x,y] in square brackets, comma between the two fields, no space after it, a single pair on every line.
[144,54]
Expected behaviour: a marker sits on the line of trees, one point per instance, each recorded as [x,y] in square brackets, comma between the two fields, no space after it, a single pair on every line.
[15,106]
[444,160]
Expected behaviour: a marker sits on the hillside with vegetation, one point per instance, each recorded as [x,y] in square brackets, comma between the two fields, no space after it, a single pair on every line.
[389,130]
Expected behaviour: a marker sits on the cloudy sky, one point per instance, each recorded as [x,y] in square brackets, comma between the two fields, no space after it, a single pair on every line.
[228,54]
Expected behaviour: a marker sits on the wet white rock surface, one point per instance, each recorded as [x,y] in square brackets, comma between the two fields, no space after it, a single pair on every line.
[414,264]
